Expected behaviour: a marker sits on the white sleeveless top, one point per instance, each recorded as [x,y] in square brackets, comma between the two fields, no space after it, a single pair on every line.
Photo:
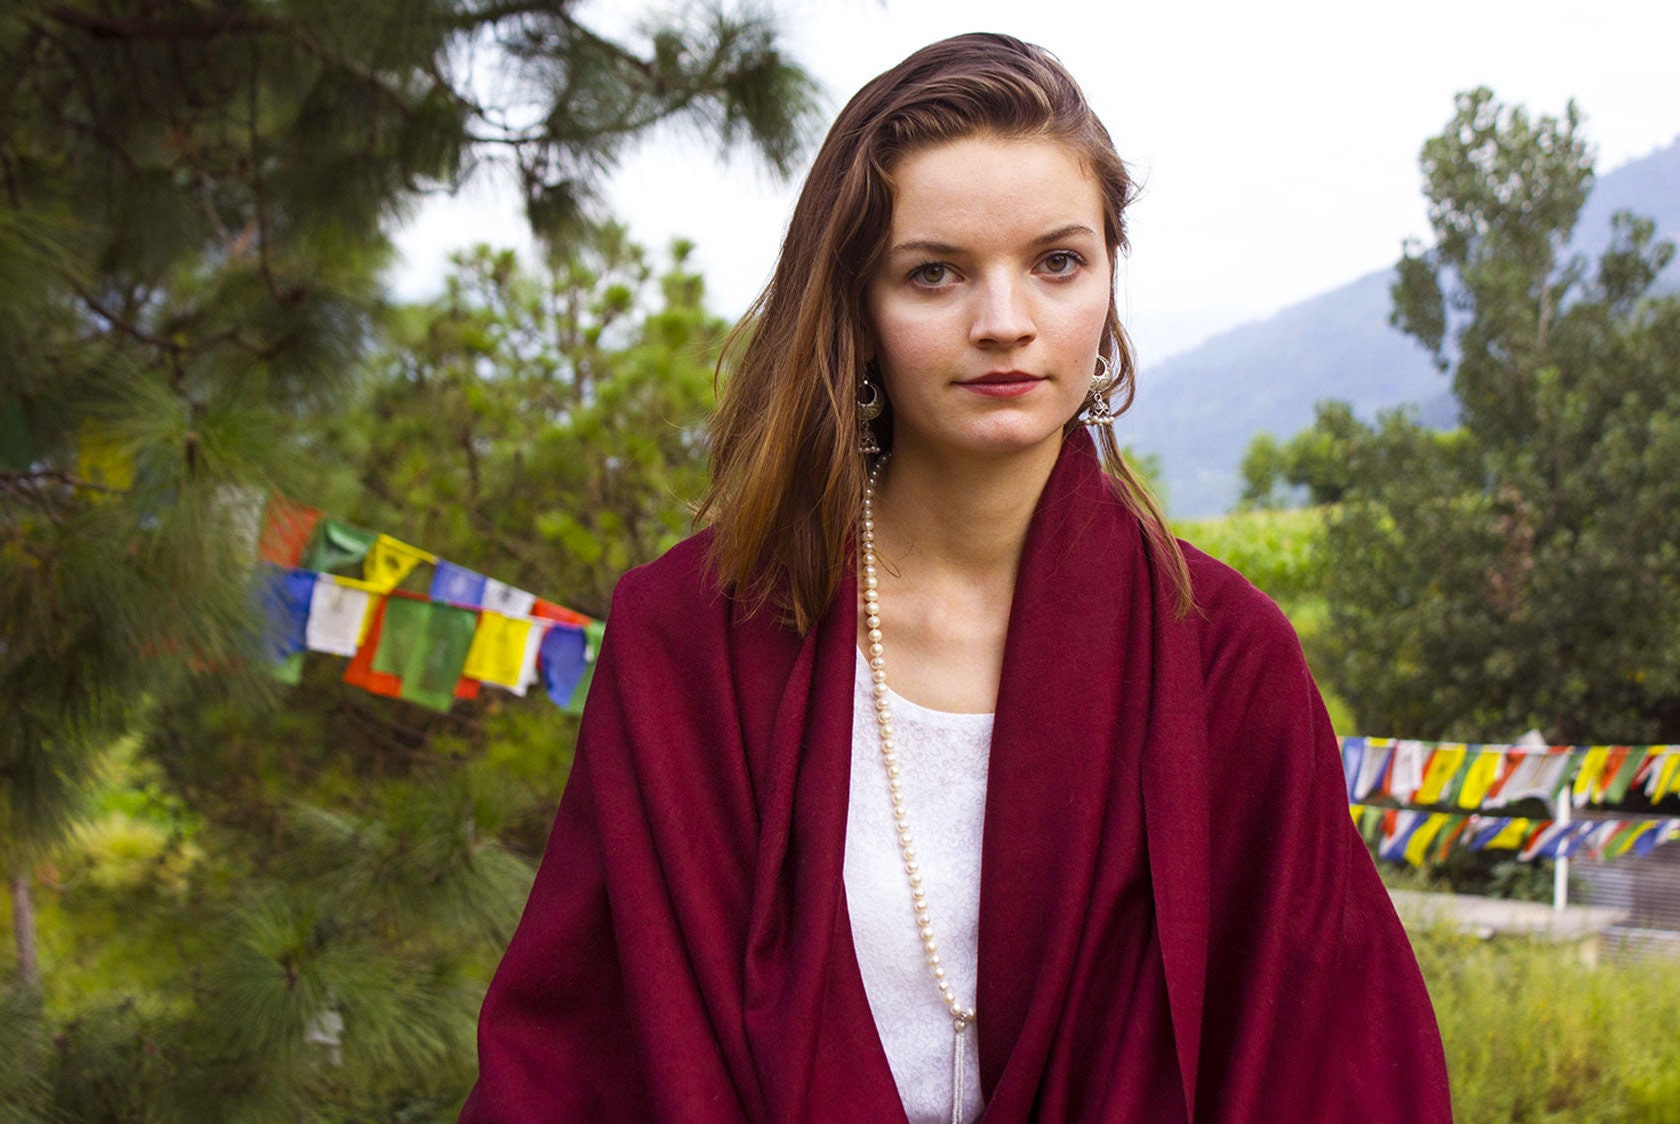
[942,760]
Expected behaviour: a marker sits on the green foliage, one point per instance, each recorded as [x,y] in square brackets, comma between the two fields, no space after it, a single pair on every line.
[292,910]
[1533,1032]
[1520,572]
[546,427]
[193,206]
[1279,551]
[1314,461]
[194,202]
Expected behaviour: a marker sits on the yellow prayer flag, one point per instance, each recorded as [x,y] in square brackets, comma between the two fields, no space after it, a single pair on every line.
[1592,764]
[1419,842]
[1443,766]
[497,654]
[389,562]
[1484,770]
[102,459]
[1668,780]
[1510,837]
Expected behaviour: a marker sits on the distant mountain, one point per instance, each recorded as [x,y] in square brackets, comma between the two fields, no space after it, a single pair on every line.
[1198,410]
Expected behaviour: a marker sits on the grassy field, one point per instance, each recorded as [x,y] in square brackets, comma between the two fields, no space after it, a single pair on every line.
[1533,1033]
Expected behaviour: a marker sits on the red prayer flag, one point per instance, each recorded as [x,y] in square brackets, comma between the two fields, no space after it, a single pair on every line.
[360,673]
[549,611]
[287,526]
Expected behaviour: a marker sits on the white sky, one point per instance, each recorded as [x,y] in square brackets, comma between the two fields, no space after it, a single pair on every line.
[1277,141]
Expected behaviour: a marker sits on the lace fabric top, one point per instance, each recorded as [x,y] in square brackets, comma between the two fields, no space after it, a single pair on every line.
[943,759]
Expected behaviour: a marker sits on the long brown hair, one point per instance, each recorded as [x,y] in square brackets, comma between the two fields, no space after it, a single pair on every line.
[787,478]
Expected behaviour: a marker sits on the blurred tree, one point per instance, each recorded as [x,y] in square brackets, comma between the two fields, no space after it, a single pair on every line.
[1313,463]
[1521,572]
[337,875]
[193,212]
[546,426]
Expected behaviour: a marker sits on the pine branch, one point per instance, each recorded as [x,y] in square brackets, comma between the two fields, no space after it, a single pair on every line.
[113,27]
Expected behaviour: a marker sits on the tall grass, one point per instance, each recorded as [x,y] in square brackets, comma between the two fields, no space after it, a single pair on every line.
[1534,1033]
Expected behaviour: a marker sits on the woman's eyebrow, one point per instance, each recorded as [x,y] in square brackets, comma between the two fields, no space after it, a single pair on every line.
[1072,230]
[931,246]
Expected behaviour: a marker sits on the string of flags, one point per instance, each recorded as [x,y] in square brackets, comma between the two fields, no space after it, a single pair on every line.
[1473,777]
[1414,835]
[1434,795]
[339,589]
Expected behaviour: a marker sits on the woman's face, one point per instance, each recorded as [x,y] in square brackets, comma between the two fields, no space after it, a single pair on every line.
[989,307]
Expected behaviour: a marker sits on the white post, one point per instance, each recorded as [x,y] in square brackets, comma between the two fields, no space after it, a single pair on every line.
[1560,866]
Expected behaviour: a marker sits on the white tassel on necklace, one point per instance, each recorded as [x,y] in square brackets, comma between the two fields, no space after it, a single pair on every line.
[961,1017]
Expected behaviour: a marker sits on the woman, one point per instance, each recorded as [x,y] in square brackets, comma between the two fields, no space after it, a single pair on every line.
[934,777]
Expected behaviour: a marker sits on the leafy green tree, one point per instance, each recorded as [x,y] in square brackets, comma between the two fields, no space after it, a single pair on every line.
[193,211]
[547,425]
[1520,573]
[1313,462]
[338,873]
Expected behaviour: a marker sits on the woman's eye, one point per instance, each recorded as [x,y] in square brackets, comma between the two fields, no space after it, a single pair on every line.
[933,273]
[1062,261]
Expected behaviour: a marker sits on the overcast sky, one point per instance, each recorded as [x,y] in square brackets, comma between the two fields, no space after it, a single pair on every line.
[1277,142]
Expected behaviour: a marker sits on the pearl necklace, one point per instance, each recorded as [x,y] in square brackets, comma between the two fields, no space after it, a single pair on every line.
[961,1017]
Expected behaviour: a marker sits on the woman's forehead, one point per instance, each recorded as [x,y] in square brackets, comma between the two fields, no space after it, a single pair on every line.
[988,188]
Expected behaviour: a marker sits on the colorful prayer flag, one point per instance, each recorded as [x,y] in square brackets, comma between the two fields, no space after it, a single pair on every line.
[457,585]
[1484,769]
[562,662]
[389,561]
[286,529]
[1587,775]
[288,596]
[337,546]
[338,615]
[102,458]
[507,600]
[1443,765]
[497,654]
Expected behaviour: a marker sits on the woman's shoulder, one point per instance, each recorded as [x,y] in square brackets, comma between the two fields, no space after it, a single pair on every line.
[676,590]
[1232,614]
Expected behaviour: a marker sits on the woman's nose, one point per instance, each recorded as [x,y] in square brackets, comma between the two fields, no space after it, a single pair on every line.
[1002,314]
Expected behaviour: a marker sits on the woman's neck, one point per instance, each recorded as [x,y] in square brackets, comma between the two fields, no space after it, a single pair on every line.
[959,517]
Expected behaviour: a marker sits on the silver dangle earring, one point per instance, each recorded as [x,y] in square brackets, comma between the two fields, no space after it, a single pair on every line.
[1096,410]
[869,405]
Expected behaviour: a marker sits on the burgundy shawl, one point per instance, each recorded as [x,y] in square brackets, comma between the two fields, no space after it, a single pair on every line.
[686,953]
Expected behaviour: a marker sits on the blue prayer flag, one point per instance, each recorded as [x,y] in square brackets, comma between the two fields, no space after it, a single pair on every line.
[561,658]
[457,585]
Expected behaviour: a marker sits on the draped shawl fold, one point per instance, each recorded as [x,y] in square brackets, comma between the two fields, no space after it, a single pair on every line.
[686,953]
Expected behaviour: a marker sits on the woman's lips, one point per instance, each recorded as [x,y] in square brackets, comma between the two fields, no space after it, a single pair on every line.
[1009,384]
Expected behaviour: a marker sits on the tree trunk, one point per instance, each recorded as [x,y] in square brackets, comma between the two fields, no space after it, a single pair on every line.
[23,928]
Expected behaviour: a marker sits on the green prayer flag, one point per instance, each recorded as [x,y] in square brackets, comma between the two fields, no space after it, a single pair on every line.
[1620,783]
[425,644]
[594,631]
[1618,840]
[289,670]
[404,631]
[431,673]
[337,546]
[1455,783]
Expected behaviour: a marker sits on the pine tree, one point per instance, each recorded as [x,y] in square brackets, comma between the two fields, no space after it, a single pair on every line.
[193,211]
